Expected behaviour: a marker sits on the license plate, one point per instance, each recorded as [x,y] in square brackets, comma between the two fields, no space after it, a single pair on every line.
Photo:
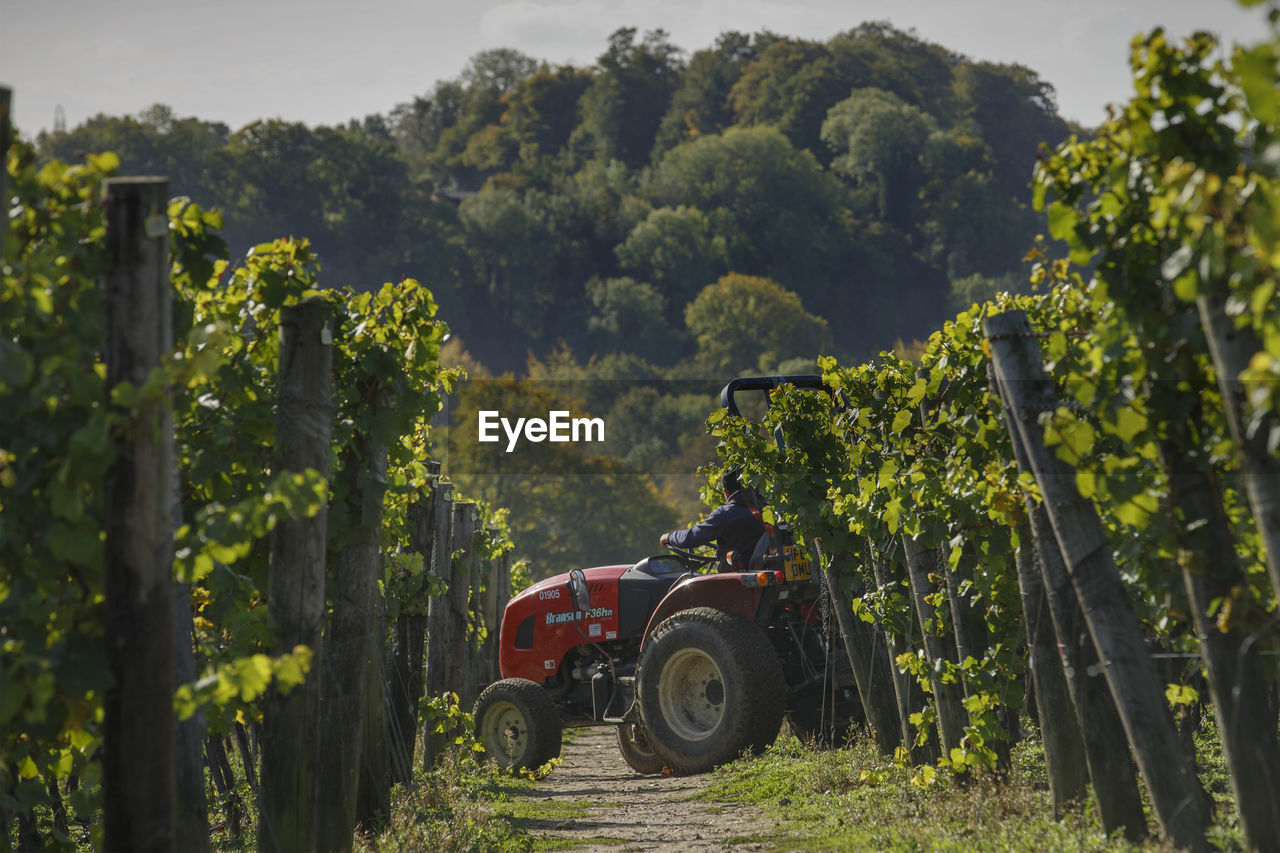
[795,564]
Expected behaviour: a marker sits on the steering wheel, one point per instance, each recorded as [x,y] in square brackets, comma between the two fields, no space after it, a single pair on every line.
[692,560]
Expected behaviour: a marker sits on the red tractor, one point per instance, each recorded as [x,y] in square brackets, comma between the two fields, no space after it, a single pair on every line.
[692,668]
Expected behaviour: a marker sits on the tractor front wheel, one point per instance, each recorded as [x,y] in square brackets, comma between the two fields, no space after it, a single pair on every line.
[709,686]
[517,724]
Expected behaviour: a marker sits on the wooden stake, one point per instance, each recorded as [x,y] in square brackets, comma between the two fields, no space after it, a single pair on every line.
[1231,349]
[435,680]
[459,655]
[947,696]
[295,580]
[6,138]
[139,740]
[1179,801]
[866,648]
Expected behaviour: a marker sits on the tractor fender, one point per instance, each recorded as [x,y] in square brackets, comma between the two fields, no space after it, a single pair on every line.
[721,591]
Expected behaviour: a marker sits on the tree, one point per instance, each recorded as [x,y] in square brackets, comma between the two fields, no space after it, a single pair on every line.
[879,141]
[541,113]
[700,105]
[782,202]
[418,125]
[970,222]
[626,101]
[530,258]
[474,103]
[680,249]
[746,323]
[883,57]
[1017,112]
[628,316]
[155,142]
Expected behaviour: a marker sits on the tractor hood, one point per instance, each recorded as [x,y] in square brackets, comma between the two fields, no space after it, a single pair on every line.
[541,624]
[556,587]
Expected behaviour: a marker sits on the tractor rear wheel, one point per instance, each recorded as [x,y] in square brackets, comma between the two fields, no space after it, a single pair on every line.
[636,750]
[709,686]
[517,724]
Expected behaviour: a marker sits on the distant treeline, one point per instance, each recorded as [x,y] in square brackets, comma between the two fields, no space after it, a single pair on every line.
[870,180]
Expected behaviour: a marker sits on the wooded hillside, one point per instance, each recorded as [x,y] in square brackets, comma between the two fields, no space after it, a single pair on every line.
[869,175]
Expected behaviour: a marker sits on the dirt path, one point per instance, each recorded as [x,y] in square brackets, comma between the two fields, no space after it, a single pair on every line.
[627,811]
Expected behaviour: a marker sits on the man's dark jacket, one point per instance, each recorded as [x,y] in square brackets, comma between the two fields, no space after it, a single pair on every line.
[731,526]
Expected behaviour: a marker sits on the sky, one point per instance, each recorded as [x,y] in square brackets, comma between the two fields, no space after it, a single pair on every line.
[325,61]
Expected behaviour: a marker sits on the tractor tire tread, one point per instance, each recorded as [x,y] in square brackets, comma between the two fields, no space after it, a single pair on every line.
[750,668]
[543,720]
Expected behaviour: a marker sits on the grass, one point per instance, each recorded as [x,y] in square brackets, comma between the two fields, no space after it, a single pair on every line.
[461,806]
[806,799]
[851,799]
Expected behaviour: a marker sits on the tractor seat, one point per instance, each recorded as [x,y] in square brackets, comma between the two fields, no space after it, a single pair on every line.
[756,563]
[640,589]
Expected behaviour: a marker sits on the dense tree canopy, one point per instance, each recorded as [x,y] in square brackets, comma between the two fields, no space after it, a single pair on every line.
[745,324]
[863,173]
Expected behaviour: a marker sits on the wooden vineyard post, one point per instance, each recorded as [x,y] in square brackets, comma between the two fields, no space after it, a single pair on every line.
[921,563]
[373,797]
[435,677]
[475,611]
[139,734]
[1246,724]
[1106,748]
[352,654]
[437,645]
[410,640]
[1111,771]
[910,697]
[487,607]
[496,594]
[967,624]
[6,138]
[459,656]
[1231,349]
[1180,804]
[866,648]
[191,818]
[1064,755]
[295,580]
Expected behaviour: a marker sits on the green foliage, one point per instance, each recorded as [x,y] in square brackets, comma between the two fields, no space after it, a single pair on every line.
[1171,200]
[680,250]
[55,450]
[443,716]
[232,687]
[776,196]
[57,427]
[630,315]
[879,142]
[624,104]
[745,324]
[853,799]
[509,188]
[563,501]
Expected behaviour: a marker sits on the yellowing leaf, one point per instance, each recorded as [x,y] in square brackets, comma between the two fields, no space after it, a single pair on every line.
[254,674]
[1130,422]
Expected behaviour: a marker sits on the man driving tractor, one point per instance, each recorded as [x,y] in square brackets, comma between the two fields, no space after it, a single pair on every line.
[734,526]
